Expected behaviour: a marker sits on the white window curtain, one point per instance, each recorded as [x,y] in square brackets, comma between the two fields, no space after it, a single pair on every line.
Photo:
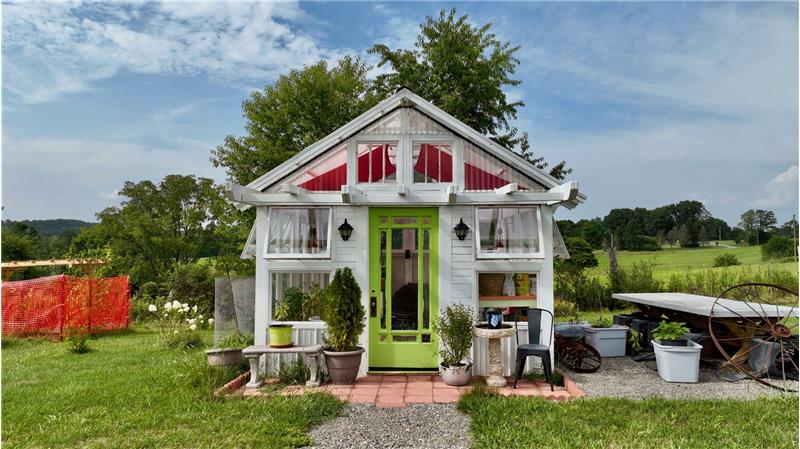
[509,231]
[294,232]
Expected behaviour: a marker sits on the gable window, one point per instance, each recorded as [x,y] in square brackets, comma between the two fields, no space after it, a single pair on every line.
[509,232]
[328,173]
[484,172]
[377,163]
[299,233]
[432,162]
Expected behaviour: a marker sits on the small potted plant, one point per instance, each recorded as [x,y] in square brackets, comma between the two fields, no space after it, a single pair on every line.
[229,350]
[344,315]
[454,328]
[677,359]
[609,339]
[670,333]
[280,334]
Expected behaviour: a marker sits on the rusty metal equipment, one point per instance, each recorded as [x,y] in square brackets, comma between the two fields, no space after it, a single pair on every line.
[755,327]
[575,354]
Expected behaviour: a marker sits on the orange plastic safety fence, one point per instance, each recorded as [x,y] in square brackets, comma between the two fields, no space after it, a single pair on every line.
[55,304]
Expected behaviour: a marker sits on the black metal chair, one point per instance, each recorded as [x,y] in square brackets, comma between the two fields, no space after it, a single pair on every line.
[533,347]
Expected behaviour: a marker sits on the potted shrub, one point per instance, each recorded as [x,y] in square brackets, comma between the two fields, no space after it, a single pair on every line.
[670,333]
[344,316]
[289,308]
[454,328]
[677,359]
[609,339]
[229,350]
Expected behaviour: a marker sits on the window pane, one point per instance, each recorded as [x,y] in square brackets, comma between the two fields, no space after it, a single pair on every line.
[405,297]
[484,172]
[432,163]
[298,231]
[508,292]
[296,295]
[325,174]
[508,230]
[377,163]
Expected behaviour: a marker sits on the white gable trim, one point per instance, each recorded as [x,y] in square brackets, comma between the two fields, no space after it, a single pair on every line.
[405,97]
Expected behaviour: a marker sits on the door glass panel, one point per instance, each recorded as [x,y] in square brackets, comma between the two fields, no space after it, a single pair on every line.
[404,338]
[405,298]
[383,279]
[404,220]
[425,280]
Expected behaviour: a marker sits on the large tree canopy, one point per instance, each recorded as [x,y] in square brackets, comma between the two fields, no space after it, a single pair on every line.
[291,114]
[157,226]
[461,68]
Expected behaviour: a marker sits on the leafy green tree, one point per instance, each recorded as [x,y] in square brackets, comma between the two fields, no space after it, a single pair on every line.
[788,229]
[683,237]
[702,235]
[581,254]
[778,247]
[757,224]
[156,226]
[291,114]
[464,70]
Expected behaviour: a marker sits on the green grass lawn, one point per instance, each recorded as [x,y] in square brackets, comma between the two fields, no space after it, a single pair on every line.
[129,393]
[518,422]
[677,260]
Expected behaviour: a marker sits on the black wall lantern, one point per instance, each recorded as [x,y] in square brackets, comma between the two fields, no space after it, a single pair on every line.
[461,230]
[345,230]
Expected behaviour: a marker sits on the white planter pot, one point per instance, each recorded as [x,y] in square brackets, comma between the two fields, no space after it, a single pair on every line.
[609,341]
[678,363]
[456,376]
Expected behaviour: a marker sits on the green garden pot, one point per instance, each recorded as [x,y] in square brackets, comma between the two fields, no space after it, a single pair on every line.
[280,335]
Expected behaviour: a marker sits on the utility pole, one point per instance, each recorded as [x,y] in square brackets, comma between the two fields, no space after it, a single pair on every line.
[794,236]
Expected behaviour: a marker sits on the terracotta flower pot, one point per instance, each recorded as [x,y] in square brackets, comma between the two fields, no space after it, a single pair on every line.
[343,366]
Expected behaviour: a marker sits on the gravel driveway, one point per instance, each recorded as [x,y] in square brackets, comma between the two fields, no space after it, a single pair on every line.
[415,426]
[621,377]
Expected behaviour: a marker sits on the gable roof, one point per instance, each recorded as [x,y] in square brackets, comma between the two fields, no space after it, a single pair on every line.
[404,97]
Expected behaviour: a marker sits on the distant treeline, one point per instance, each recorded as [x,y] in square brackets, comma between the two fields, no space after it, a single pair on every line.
[57,226]
[685,224]
[39,239]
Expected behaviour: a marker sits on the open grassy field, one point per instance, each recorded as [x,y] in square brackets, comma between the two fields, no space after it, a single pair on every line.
[677,260]
[517,422]
[129,393]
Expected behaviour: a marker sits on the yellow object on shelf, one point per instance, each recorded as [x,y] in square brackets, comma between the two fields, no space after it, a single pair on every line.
[522,284]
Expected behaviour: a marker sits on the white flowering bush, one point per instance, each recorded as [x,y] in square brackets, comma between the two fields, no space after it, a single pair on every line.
[178,324]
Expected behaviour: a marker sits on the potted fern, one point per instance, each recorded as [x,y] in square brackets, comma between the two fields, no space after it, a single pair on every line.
[344,316]
[454,328]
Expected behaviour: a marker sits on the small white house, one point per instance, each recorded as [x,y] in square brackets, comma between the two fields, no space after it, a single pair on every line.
[403,178]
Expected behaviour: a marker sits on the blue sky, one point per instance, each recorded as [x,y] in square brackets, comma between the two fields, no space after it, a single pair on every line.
[649,103]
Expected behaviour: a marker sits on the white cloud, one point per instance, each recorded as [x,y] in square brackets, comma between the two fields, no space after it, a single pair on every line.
[53,49]
[112,195]
[780,191]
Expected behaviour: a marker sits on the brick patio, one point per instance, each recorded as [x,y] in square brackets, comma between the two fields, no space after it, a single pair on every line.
[392,390]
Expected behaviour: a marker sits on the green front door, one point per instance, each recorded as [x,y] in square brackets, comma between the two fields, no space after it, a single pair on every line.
[403,287]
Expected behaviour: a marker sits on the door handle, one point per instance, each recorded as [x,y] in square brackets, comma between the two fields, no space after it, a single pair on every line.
[373,306]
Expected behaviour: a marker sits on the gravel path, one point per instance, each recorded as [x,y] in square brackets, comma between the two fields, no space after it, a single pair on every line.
[621,377]
[415,426]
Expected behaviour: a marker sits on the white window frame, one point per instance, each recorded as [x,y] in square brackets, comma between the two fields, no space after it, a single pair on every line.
[321,255]
[270,300]
[433,140]
[390,139]
[479,254]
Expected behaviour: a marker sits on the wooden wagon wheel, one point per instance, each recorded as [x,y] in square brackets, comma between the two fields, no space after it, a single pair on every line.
[578,356]
[755,327]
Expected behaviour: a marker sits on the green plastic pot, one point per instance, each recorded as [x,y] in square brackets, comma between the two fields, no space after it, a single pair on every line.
[280,335]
